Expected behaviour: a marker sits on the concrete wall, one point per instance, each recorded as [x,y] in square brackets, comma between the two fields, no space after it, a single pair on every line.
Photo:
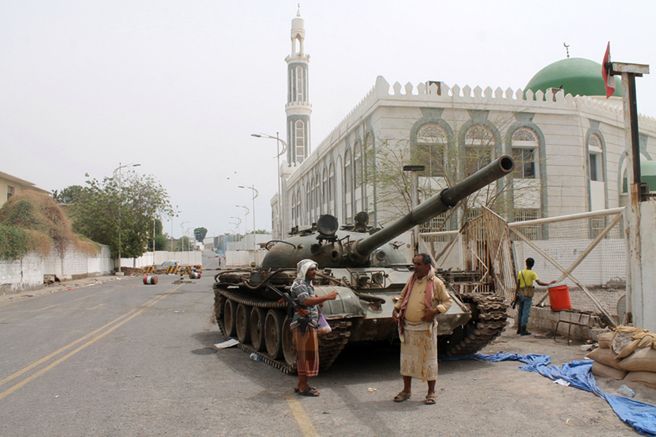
[644,301]
[28,272]
[193,257]
[241,258]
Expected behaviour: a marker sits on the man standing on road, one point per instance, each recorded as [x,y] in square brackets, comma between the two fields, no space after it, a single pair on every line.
[304,325]
[525,292]
[423,297]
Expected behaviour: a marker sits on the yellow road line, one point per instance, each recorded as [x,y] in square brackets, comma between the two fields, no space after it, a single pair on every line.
[94,336]
[302,419]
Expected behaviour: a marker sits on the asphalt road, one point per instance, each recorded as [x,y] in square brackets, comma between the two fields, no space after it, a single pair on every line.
[127,359]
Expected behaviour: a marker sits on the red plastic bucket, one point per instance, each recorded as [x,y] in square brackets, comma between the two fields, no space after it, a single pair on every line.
[559,298]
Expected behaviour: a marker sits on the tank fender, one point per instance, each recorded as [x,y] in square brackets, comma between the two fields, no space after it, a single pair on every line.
[346,305]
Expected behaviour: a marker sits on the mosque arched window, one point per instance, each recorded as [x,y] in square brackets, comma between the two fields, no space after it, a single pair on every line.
[595,158]
[525,153]
[479,148]
[331,189]
[431,147]
[348,187]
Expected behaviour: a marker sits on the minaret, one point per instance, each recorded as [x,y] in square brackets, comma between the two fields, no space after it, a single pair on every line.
[298,106]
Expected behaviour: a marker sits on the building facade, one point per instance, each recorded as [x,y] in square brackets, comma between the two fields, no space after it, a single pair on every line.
[11,185]
[567,141]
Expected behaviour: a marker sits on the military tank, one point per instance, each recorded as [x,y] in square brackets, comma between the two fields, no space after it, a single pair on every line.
[368,269]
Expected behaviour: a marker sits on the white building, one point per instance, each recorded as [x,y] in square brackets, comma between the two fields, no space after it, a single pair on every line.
[567,140]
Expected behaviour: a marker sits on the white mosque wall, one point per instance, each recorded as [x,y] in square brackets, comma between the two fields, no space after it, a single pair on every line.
[389,112]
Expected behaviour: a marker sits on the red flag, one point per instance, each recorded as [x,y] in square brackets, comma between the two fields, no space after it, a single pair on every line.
[609,81]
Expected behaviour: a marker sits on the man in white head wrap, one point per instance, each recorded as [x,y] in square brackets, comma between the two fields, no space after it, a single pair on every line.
[304,325]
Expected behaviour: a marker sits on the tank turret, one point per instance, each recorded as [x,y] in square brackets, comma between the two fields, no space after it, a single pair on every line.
[354,249]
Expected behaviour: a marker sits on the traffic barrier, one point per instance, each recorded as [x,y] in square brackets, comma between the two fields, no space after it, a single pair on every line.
[149,280]
[149,269]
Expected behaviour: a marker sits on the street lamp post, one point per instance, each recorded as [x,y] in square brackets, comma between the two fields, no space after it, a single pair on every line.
[182,231]
[245,216]
[120,200]
[255,193]
[414,199]
[279,153]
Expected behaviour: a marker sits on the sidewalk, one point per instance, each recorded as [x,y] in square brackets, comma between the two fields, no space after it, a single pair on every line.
[57,287]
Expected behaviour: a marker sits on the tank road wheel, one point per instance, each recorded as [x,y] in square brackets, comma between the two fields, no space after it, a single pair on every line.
[219,301]
[273,333]
[288,346]
[229,318]
[241,323]
[256,328]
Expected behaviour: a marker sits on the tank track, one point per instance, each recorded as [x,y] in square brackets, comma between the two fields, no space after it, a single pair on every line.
[488,322]
[330,345]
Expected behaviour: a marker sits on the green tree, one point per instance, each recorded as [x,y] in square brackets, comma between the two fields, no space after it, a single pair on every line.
[200,234]
[120,209]
[68,195]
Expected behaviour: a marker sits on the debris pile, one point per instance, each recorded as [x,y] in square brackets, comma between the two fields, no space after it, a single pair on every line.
[627,354]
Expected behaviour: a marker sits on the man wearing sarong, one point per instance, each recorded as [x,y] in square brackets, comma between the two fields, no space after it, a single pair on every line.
[423,297]
[304,325]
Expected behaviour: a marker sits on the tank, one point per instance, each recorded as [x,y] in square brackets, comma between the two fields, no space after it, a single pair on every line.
[368,269]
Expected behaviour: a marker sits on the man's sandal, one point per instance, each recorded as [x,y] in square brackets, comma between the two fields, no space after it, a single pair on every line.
[430,399]
[309,391]
[296,389]
[402,396]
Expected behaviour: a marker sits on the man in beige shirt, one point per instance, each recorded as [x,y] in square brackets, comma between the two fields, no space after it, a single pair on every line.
[422,298]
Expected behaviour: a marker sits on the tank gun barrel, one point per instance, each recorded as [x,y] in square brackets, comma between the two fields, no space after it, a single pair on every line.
[437,204]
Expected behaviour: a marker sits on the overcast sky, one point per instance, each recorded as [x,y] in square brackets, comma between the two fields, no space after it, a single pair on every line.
[179,86]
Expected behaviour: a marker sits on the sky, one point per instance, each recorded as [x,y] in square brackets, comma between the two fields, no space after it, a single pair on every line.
[179,86]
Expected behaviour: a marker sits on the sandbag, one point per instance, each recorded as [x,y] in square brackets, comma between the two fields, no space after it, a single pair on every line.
[605,356]
[621,340]
[642,360]
[605,339]
[646,378]
[605,371]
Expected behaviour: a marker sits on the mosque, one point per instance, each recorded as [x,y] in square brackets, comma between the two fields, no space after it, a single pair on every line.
[566,138]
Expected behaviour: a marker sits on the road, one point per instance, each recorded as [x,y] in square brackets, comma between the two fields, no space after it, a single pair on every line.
[127,359]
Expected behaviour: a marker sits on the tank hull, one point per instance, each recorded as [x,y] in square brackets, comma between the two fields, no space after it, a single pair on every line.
[359,314]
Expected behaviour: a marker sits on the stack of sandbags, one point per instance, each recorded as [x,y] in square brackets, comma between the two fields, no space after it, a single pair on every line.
[627,353]
[606,363]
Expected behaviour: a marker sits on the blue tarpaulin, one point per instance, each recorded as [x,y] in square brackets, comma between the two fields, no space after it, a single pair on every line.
[639,415]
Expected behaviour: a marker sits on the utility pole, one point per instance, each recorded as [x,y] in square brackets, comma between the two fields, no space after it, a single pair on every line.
[638,303]
[414,199]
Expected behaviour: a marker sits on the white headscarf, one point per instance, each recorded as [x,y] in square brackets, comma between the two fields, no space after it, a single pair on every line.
[302,267]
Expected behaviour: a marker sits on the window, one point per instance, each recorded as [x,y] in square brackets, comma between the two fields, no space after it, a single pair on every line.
[10,191]
[348,187]
[324,192]
[300,88]
[479,147]
[595,159]
[331,189]
[431,149]
[299,140]
[524,153]
[357,164]
[436,224]
[533,232]
[369,170]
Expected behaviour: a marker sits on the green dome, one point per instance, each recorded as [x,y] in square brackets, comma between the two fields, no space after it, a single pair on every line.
[577,76]
[647,175]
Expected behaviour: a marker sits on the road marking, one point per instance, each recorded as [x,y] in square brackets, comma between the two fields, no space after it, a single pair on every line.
[302,419]
[92,337]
